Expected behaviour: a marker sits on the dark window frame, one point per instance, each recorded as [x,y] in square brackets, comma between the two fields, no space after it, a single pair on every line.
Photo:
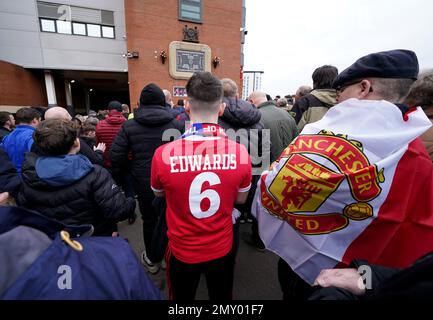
[189,19]
[94,24]
[72,29]
[55,25]
[57,29]
[85,29]
[108,26]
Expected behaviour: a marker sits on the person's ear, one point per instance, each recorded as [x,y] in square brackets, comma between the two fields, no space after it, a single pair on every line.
[365,89]
[187,107]
[35,122]
[221,109]
[77,145]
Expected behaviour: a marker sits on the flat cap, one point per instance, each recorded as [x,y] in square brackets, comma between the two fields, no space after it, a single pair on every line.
[397,64]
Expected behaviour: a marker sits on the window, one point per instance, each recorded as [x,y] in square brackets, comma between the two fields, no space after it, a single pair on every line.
[79,29]
[108,32]
[48,25]
[190,10]
[64,27]
[94,30]
[81,21]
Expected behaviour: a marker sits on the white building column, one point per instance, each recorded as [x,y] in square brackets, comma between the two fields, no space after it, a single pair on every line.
[51,89]
[68,92]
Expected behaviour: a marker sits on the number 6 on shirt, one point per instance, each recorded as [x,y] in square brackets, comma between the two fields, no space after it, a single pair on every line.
[196,196]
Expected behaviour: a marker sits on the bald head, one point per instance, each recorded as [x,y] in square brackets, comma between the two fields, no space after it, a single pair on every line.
[167,95]
[257,98]
[57,113]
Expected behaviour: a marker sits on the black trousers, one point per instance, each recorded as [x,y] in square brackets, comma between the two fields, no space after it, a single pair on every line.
[148,214]
[292,285]
[184,278]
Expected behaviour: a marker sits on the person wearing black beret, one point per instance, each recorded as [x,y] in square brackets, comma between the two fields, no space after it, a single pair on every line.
[384,75]
[370,113]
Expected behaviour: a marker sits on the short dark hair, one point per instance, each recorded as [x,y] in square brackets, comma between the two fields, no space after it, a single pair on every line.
[204,87]
[27,115]
[324,77]
[4,117]
[87,127]
[55,137]
[180,102]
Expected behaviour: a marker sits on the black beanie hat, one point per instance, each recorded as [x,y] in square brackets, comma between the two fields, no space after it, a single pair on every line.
[115,105]
[152,95]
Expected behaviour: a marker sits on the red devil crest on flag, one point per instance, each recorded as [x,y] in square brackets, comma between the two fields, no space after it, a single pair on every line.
[355,185]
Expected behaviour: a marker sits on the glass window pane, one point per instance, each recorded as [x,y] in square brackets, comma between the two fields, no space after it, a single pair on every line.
[94,30]
[79,28]
[190,10]
[191,15]
[186,7]
[48,25]
[64,27]
[108,32]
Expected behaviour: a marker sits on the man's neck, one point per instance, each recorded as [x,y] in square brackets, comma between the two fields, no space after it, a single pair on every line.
[204,119]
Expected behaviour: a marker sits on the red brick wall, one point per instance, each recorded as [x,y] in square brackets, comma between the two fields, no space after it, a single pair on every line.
[21,87]
[151,25]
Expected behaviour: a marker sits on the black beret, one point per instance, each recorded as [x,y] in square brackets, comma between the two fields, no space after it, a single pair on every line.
[397,64]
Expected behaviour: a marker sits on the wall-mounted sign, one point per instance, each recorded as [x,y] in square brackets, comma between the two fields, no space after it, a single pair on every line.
[179,92]
[186,58]
[189,61]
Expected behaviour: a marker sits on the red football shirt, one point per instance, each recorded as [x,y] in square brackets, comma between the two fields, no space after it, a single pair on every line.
[201,177]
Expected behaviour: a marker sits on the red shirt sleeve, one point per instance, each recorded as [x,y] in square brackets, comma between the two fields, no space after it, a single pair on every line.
[155,181]
[245,164]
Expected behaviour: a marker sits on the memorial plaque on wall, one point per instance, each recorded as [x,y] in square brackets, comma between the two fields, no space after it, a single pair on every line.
[189,61]
[186,58]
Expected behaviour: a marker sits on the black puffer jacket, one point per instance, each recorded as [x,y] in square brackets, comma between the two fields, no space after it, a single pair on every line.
[142,136]
[240,114]
[72,190]
[9,179]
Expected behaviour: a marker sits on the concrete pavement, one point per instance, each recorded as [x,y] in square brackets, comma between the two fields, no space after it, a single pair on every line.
[255,272]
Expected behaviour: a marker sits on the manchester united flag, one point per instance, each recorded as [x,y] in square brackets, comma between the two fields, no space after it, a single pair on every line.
[355,185]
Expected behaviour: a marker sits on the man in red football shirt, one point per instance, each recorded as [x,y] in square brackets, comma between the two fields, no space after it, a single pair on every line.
[202,175]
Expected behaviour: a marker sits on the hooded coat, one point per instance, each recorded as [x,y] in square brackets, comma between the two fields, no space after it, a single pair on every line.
[242,120]
[74,191]
[142,136]
[313,106]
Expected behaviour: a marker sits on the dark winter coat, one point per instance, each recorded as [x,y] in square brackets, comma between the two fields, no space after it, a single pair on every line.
[413,283]
[241,120]
[72,190]
[4,132]
[142,136]
[9,179]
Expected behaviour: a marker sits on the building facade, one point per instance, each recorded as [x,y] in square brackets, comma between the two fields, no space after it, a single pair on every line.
[81,54]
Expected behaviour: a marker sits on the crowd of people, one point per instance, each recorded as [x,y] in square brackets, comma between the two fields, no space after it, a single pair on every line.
[199,168]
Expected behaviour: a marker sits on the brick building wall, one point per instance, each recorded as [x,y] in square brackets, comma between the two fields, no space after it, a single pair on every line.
[21,87]
[153,24]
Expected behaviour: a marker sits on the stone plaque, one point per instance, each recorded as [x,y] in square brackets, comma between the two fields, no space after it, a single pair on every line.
[186,58]
[189,61]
